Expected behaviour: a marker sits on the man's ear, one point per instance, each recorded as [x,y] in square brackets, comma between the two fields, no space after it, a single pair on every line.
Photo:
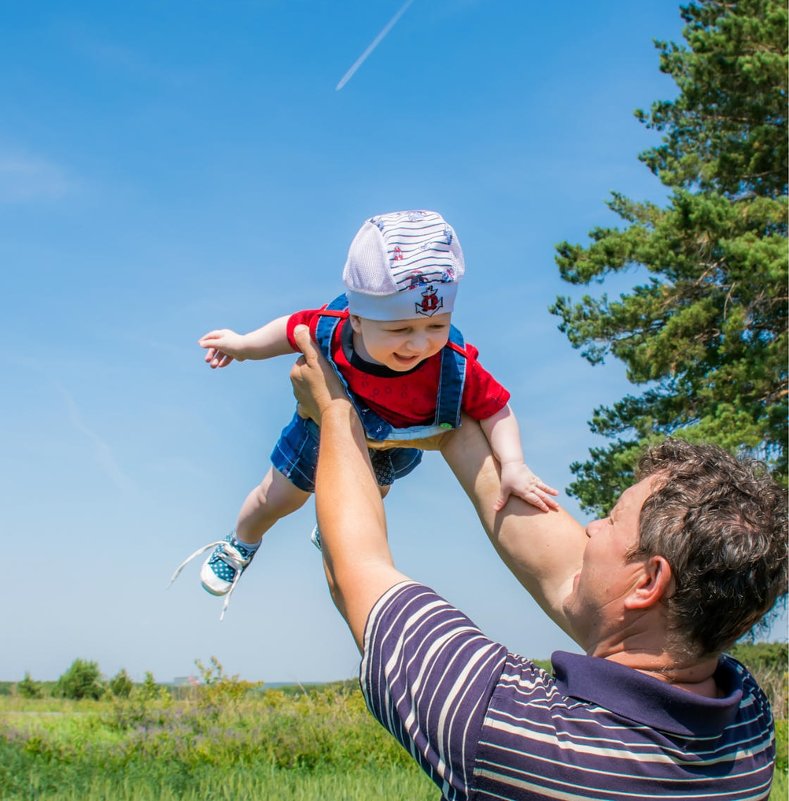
[654,584]
[356,323]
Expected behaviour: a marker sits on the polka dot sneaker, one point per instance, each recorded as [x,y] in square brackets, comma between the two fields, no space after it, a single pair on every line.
[222,570]
[220,573]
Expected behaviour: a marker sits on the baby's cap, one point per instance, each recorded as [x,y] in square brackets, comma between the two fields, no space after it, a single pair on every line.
[403,265]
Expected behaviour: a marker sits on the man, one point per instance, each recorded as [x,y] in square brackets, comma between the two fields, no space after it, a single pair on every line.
[689,558]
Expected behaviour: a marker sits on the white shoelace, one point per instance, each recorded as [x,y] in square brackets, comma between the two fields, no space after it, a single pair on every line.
[229,555]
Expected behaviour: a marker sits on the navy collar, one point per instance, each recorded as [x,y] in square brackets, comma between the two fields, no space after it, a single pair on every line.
[647,700]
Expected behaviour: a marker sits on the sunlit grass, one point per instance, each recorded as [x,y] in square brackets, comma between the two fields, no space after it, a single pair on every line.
[226,740]
[220,742]
[144,782]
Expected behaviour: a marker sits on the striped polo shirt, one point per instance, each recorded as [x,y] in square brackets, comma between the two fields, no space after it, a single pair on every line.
[487,724]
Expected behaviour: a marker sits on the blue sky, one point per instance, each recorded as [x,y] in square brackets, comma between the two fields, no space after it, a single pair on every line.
[168,168]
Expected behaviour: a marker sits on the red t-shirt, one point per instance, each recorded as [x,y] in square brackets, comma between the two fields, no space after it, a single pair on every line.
[406,399]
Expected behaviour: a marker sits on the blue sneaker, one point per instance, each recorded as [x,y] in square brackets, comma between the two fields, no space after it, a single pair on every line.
[222,570]
[220,573]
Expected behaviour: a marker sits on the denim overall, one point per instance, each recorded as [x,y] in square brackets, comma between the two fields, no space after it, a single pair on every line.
[295,455]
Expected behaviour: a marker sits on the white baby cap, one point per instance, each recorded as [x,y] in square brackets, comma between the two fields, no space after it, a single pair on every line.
[403,265]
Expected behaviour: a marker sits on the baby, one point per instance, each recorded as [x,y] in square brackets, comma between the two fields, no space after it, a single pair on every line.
[405,366]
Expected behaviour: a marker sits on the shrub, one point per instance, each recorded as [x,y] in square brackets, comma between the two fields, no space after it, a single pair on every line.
[28,688]
[81,680]
[218,690]
[120,684]
[149,690]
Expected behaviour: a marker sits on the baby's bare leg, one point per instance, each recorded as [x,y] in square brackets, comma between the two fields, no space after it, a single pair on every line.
[274,498]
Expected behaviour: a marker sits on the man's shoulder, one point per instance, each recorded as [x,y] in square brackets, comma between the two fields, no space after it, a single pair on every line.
[732,675]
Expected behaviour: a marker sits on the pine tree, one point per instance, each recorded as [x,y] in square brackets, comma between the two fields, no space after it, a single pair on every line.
[704,334]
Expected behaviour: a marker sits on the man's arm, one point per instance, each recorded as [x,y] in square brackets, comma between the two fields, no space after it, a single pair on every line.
[351,519]
[542,549]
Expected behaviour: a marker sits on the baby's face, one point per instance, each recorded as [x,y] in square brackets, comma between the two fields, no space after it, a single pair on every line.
[400,344]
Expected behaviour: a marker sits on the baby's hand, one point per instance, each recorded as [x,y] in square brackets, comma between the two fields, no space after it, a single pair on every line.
[222,346]
[517,479]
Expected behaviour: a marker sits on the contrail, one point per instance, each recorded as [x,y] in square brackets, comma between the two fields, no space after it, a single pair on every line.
[375,42]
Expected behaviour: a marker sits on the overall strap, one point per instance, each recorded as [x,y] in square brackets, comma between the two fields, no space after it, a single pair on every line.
[329,317]
[449,397]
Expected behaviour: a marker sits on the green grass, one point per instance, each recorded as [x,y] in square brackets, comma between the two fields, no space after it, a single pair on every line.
[148,781]
[227,740]
[222,741]
[780,788]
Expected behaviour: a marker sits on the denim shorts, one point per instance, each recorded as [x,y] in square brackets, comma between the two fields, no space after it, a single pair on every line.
[296,456]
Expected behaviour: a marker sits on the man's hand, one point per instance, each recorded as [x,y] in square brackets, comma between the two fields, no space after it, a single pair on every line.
[315,384]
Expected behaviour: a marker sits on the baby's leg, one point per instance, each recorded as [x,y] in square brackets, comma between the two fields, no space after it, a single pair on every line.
[275,497]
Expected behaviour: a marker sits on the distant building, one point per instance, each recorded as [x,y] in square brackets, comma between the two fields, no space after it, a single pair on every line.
[183,681]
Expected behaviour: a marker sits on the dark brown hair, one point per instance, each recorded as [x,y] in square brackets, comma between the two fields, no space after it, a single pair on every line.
[721,524]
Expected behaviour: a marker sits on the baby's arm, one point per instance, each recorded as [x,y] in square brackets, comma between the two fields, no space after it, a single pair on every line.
[224,345]
[504,437]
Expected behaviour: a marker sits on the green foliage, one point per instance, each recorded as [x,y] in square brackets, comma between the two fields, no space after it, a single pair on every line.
[28,688]
[705,332]
[81,680]
[264,745]
[219,691]
[120,685]
[759,656]
[781,745]
[149,690]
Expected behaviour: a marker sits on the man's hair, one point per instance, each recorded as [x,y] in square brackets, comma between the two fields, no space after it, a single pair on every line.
[721,524]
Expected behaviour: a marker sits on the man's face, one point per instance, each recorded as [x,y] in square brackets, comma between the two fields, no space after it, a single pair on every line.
[400,344]
[595,604]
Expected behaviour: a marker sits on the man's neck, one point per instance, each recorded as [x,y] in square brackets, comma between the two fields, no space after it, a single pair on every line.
[688,673]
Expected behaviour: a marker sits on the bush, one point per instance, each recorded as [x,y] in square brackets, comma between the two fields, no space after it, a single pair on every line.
[120,684]
[219,691]
[149,690]
[28,688]
[81,680]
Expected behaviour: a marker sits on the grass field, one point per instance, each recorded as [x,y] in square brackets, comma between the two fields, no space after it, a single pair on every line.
[138,782]
[222,741]
[227,740]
